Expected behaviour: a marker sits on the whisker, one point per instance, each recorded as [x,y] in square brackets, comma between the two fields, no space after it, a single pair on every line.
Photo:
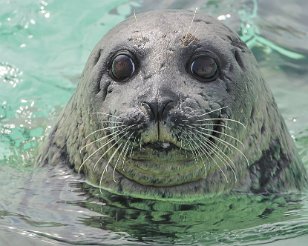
[209,156]
[119,139]
[202,152]
[191,23]
[110,140]
[207,113]
[221,159]
[195,31]
[191,147]
[135,16]
[208,124]
[125,155]
[210,145]
[226,144]
[181,141]
[111,122]
[122,151]
[103,129]
[106,136]
[224,157]
[211,130]
[79,169]
[193,150]
[112,115]
[132,148]
[196,148]
[224,119]
[106,166]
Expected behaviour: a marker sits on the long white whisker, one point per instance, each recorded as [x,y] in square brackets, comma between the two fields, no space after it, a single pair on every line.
[225,143]
[209,124]
[132,148]
[207,113]
[111,122]
[192,148]
[224,119]
[104,137]
[211,130]
[210,145]
[124,147]
[106,166]
[192,21]
[125,155]
[119,139]
[200,154]
[224,156]
[110,140]
[209,156]
[103,129]
[112,116]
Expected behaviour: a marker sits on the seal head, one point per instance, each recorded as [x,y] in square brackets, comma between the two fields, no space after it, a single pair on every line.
[172,104]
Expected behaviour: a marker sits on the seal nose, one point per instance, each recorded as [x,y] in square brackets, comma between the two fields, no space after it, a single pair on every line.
[158,109]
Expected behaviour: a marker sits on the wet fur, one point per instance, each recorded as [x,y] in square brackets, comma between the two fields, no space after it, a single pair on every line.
[162,40]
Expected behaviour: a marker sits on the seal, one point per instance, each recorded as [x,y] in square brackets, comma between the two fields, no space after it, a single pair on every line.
[171,104]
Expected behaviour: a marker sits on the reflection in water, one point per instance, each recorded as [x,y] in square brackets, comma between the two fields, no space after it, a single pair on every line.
[205,220]
[57,205]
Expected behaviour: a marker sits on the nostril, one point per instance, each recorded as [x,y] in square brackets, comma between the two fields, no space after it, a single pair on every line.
[151,109]
[165,109]
[158,109]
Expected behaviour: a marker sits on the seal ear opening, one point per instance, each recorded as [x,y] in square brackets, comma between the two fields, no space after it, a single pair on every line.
[238,59]
[105,90]
[96,57]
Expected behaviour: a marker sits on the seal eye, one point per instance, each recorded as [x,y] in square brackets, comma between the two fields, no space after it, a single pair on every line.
[122,67]
[204,68]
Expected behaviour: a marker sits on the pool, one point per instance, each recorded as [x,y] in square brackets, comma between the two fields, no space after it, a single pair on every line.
[43,48]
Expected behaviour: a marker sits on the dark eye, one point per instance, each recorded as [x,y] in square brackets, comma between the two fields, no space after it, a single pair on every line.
[123,67]
[204,68]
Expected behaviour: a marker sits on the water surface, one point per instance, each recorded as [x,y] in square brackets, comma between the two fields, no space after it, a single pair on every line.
[43,48]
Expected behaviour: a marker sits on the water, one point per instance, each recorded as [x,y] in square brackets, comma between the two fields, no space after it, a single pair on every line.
[43,48]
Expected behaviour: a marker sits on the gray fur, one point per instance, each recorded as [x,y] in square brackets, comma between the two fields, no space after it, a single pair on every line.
[163,41]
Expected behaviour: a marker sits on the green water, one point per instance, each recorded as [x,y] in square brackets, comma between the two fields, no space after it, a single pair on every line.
[43,48]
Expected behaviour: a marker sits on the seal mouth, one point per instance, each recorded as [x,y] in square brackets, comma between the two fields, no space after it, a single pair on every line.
[175,152]
[160,146]
[186,138]
[180,138]
[159,151]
